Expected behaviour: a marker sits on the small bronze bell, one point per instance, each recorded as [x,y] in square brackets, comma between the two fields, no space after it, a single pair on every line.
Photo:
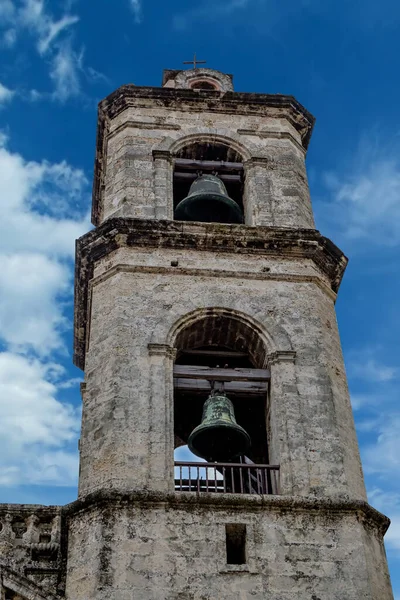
[218,437]
[208,202]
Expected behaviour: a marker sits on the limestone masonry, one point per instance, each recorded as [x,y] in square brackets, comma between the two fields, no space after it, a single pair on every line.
[165,311]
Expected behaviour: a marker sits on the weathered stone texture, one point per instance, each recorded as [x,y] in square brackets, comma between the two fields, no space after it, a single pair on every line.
[130,173]
[127,409]
[173,549]
[30,554]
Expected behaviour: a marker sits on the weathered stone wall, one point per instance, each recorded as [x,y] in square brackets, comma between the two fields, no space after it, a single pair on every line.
[138,183]
[137,297]
[138,284]
[160,550]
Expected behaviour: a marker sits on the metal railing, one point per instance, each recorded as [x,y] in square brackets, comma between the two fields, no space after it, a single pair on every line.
[226,478]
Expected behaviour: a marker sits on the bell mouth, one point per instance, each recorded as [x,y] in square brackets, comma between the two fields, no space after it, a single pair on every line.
[219,442]
[213,208]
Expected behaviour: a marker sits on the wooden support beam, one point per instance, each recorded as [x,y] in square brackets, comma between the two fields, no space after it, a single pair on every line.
[218,165]
[193,176]
[223,353]
[217,374]
[248,388]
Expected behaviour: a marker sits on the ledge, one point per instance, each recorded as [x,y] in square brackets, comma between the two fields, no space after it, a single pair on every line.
[213,237]
[214,101]
[187,500]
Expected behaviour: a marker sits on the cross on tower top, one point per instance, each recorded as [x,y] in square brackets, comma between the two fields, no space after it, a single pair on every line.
[194,62]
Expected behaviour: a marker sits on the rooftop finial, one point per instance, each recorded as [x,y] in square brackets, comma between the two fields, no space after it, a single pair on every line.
[194,62]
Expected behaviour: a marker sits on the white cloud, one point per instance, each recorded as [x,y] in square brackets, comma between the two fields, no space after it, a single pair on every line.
[136,7]
[65,63]
[9,38]
[365,200]
[30,317]
[35,240]
[33,16]
[36,429]
[372,370]
[64,72]
[39,201]
[41,218]
[53,30]
[383,455]
[5,94]
[34,95]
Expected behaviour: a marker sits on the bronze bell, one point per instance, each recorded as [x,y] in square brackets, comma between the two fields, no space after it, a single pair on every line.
[208,202]
[218,437]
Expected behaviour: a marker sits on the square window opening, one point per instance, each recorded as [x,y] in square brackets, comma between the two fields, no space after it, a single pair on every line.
[235,544]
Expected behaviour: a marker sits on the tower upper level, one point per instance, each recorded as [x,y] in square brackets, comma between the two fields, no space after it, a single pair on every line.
[154,142]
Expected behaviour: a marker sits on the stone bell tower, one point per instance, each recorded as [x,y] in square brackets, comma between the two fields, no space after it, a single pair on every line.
[206,297]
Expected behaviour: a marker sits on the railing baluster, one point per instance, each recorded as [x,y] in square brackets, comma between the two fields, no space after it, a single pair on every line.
[239,478]
[276,482]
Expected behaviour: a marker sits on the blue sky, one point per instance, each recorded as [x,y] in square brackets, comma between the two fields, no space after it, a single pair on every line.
[58,59]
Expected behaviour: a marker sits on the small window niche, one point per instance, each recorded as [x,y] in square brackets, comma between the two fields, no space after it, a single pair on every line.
[204,84]
[235,534]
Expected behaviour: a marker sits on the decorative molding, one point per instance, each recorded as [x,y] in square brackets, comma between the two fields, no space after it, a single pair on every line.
[162,350]
[220,273]
[23,586]
[143,125]
[162,154]
[281,356]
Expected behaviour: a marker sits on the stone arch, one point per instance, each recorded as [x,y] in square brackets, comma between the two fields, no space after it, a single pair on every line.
[226,137]
[165,153]
[262,341]
[184,79]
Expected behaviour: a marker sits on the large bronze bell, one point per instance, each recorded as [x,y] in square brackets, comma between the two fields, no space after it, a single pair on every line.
[218,437]
[208,202]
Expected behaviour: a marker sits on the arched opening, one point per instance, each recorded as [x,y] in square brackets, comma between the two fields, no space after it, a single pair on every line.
[223,355]
[217,169]
[203,84]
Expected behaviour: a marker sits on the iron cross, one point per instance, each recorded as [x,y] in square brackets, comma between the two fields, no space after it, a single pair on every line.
[194,62]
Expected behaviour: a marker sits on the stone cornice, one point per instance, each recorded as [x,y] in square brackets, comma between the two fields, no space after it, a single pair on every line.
[188,501]
[212,237]
[212,101]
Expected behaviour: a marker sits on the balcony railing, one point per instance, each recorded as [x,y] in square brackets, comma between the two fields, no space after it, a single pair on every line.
[226,478]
